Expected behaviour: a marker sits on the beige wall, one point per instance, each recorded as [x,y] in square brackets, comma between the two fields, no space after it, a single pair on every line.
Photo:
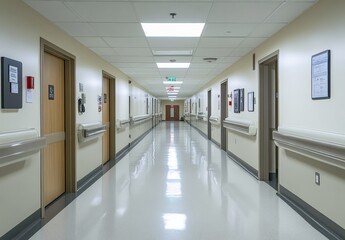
[296,43]
[21,30]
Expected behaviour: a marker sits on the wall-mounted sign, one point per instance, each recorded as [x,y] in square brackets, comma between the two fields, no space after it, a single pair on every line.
[171,78]
[11,83]
[320,75]
[51,92]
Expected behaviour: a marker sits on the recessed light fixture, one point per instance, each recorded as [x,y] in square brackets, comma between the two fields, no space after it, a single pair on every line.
[172,96]
[172,52]
[173,65]
[174,82]
[176,91]
[172,29]
[172,93]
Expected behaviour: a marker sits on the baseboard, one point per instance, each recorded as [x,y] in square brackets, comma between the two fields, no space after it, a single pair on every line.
[201,132]
[89,179]
[122,153]
[252,171]
[315,218]
[21,230]
[136,141]
[218,144]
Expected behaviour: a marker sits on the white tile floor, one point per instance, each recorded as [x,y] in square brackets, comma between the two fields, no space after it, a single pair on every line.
[177,185]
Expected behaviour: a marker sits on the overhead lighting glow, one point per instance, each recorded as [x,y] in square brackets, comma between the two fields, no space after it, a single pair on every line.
[172,93]
[173,65]
[172,87]
[172,52]
[176,82]
[172,29]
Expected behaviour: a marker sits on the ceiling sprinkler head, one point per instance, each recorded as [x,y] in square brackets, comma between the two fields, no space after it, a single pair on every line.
[173,15]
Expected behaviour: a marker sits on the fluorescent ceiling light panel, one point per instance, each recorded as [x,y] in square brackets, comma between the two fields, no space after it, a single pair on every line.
[172,96]
[175,82]
[173,65]
[173,29]
[172,52]
[172,93]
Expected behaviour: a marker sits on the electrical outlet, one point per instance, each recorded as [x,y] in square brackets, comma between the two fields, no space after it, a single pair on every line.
[317,178]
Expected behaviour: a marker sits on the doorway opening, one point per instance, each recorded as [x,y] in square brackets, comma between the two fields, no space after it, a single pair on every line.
[268,117]
[58,117]
[223,114]
[108,117]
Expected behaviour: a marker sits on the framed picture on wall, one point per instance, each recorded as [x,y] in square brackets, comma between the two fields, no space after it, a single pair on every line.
[242,99]
[251,102]
[320,75]
[236,100]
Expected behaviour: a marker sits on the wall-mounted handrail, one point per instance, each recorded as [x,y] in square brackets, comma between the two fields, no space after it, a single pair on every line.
[241,126]
[122,123]
[15,145]
[140,118]
[325,147]
[214,120]
[89,131]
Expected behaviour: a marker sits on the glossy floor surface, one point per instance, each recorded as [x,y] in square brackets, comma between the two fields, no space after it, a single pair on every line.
[175,184]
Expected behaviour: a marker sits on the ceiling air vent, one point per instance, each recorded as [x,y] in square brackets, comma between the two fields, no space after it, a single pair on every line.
[210,59]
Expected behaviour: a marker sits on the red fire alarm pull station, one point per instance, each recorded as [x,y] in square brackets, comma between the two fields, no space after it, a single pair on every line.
[30,82]
[230,103]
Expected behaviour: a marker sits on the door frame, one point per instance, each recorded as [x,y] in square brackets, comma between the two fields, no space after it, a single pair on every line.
[223,114]
[112,113]
[264,106]
[209,112]
[70,116]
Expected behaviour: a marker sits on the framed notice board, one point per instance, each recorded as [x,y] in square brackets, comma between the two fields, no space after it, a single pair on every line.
[11,83]
[320,75]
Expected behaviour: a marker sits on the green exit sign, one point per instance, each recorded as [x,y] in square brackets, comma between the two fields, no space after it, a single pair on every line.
[171,78]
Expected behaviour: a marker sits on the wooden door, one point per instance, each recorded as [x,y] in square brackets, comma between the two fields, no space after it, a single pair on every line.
[176,113]
[106,119]
[54,127]
[167,113]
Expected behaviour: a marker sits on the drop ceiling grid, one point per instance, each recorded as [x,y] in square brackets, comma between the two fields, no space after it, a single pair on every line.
[112,30]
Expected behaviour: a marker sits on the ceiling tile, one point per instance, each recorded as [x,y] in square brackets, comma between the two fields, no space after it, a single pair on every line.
[289,11]
[197,72]
[55,11]
[159,12]
[168,58]
[241,12]
[104,51]
[267,29]
[92,42]
[212,52]
[227,30]
[240,51]
[126,42]
[77,29]
[177,42]
[118,29]
[104,12]
[141,52]
[219,42]
[123,59]
[143,65]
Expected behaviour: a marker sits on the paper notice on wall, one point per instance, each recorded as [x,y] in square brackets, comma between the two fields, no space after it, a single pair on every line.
[14,88]
[29,95]
[13,74]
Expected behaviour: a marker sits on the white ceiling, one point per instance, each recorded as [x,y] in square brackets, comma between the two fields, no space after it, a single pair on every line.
[112,30]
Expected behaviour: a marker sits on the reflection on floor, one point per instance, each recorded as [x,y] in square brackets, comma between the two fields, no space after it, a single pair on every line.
[175,184]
